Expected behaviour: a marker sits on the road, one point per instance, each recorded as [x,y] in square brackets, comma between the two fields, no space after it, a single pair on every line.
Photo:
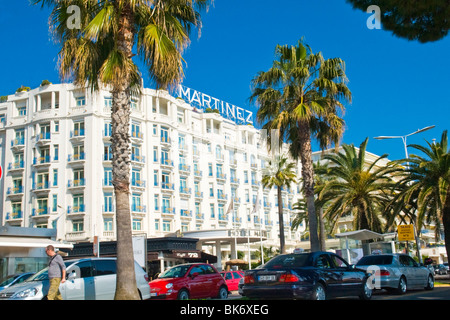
[438,293]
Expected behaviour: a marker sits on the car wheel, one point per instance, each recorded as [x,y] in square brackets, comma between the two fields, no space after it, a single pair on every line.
[430,283]
[319,292]
[366,293]
[183,295]
[223,293]
[401,289]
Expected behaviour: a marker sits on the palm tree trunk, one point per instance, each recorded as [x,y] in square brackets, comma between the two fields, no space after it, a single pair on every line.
[323,245]
[126,288]
[281,221]
[446,221]
[308,183]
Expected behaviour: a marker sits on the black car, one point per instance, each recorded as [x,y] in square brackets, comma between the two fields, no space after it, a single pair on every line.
[315,276]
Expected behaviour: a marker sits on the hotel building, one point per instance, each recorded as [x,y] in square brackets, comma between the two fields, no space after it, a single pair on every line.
[187,167]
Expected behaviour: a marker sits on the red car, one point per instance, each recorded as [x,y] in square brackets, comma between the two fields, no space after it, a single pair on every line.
[232,279]
[189,281]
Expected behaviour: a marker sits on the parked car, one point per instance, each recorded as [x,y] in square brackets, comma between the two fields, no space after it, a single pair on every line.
[315,275]
[15,279]
[397,272]
[241,287]
[446,265]
[87,279]
[232,279]
[440,269]
[190,280]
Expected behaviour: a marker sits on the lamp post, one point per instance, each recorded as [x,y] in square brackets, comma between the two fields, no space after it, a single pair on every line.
[407,157]
[404,138]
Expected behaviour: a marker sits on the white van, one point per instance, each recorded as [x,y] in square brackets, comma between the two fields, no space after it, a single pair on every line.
[87,279]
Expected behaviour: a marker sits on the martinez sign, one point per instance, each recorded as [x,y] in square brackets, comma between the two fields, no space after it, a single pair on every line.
[203,101]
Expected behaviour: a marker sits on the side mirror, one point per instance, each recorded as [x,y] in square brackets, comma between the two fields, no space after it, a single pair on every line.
[72,275]
[195,274]
[428,261]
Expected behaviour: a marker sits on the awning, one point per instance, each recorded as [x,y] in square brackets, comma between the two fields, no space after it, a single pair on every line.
[363,234]
[32,243]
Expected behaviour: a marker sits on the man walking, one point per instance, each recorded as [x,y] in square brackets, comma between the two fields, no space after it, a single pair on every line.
[56,273]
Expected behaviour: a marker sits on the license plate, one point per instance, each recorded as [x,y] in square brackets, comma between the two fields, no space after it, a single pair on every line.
[267,278]
[153,294]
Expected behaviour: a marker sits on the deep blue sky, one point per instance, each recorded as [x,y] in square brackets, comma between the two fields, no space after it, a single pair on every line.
[398,86]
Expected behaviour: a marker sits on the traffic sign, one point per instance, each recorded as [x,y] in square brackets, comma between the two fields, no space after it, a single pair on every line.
[405,232]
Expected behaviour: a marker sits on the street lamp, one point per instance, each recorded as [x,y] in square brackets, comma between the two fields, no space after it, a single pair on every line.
[407,157]
[404,138]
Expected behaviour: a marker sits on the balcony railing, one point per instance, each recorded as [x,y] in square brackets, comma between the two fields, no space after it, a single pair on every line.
[16,165]
[167,186]
[40,212]
[14,190]
[186,213]
[76,209]
[76,157]
[76,183]
[167,210]
[14,215]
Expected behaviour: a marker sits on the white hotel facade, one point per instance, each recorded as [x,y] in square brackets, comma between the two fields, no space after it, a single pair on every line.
[187,166]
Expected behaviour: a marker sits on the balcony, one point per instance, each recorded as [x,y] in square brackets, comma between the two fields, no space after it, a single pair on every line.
[138,183]
[185,213]
[137,136]
[76,210]
[76,184]
[223,217]
[166,163]
[15,216]
[41,187]
[199,195]
[198,174]
[77,135]
[254,166]
[184,169]
[166,141]
[15,191]
[43,138]
[234,180]
[137,159]
[167,186]
[255,184]
[200,216]
[222,197]
[13,166]
[41,161]
[135,209]
[40,212]
[184,191]
[77,158]
[18,144]
[168,211]
[108,210]
[221,177]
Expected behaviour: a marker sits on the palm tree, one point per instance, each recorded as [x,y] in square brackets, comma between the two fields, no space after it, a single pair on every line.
[303,95]
[425,181]
[279,173]
[355,187]
[301,210]
[100,53]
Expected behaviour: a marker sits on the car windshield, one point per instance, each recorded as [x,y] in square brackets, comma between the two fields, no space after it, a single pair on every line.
[8,280]
[375,260]
[288,261]
[43,274]
[175,272]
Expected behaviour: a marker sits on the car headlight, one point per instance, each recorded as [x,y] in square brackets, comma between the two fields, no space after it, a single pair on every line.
[28,293]
[169,285]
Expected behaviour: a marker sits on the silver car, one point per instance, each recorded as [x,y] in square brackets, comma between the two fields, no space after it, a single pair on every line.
[396,272]
[87,279]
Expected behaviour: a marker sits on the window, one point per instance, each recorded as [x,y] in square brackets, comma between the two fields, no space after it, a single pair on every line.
[210,169]
[108,202]
[83,269]
[105,267]
[338,262]
[108,224]
[166,225]
[213,214]
[78,225]
[137,224]
[54,202]
[156,202]
[322,262]
[55,177]
[80,101]
[108,102]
